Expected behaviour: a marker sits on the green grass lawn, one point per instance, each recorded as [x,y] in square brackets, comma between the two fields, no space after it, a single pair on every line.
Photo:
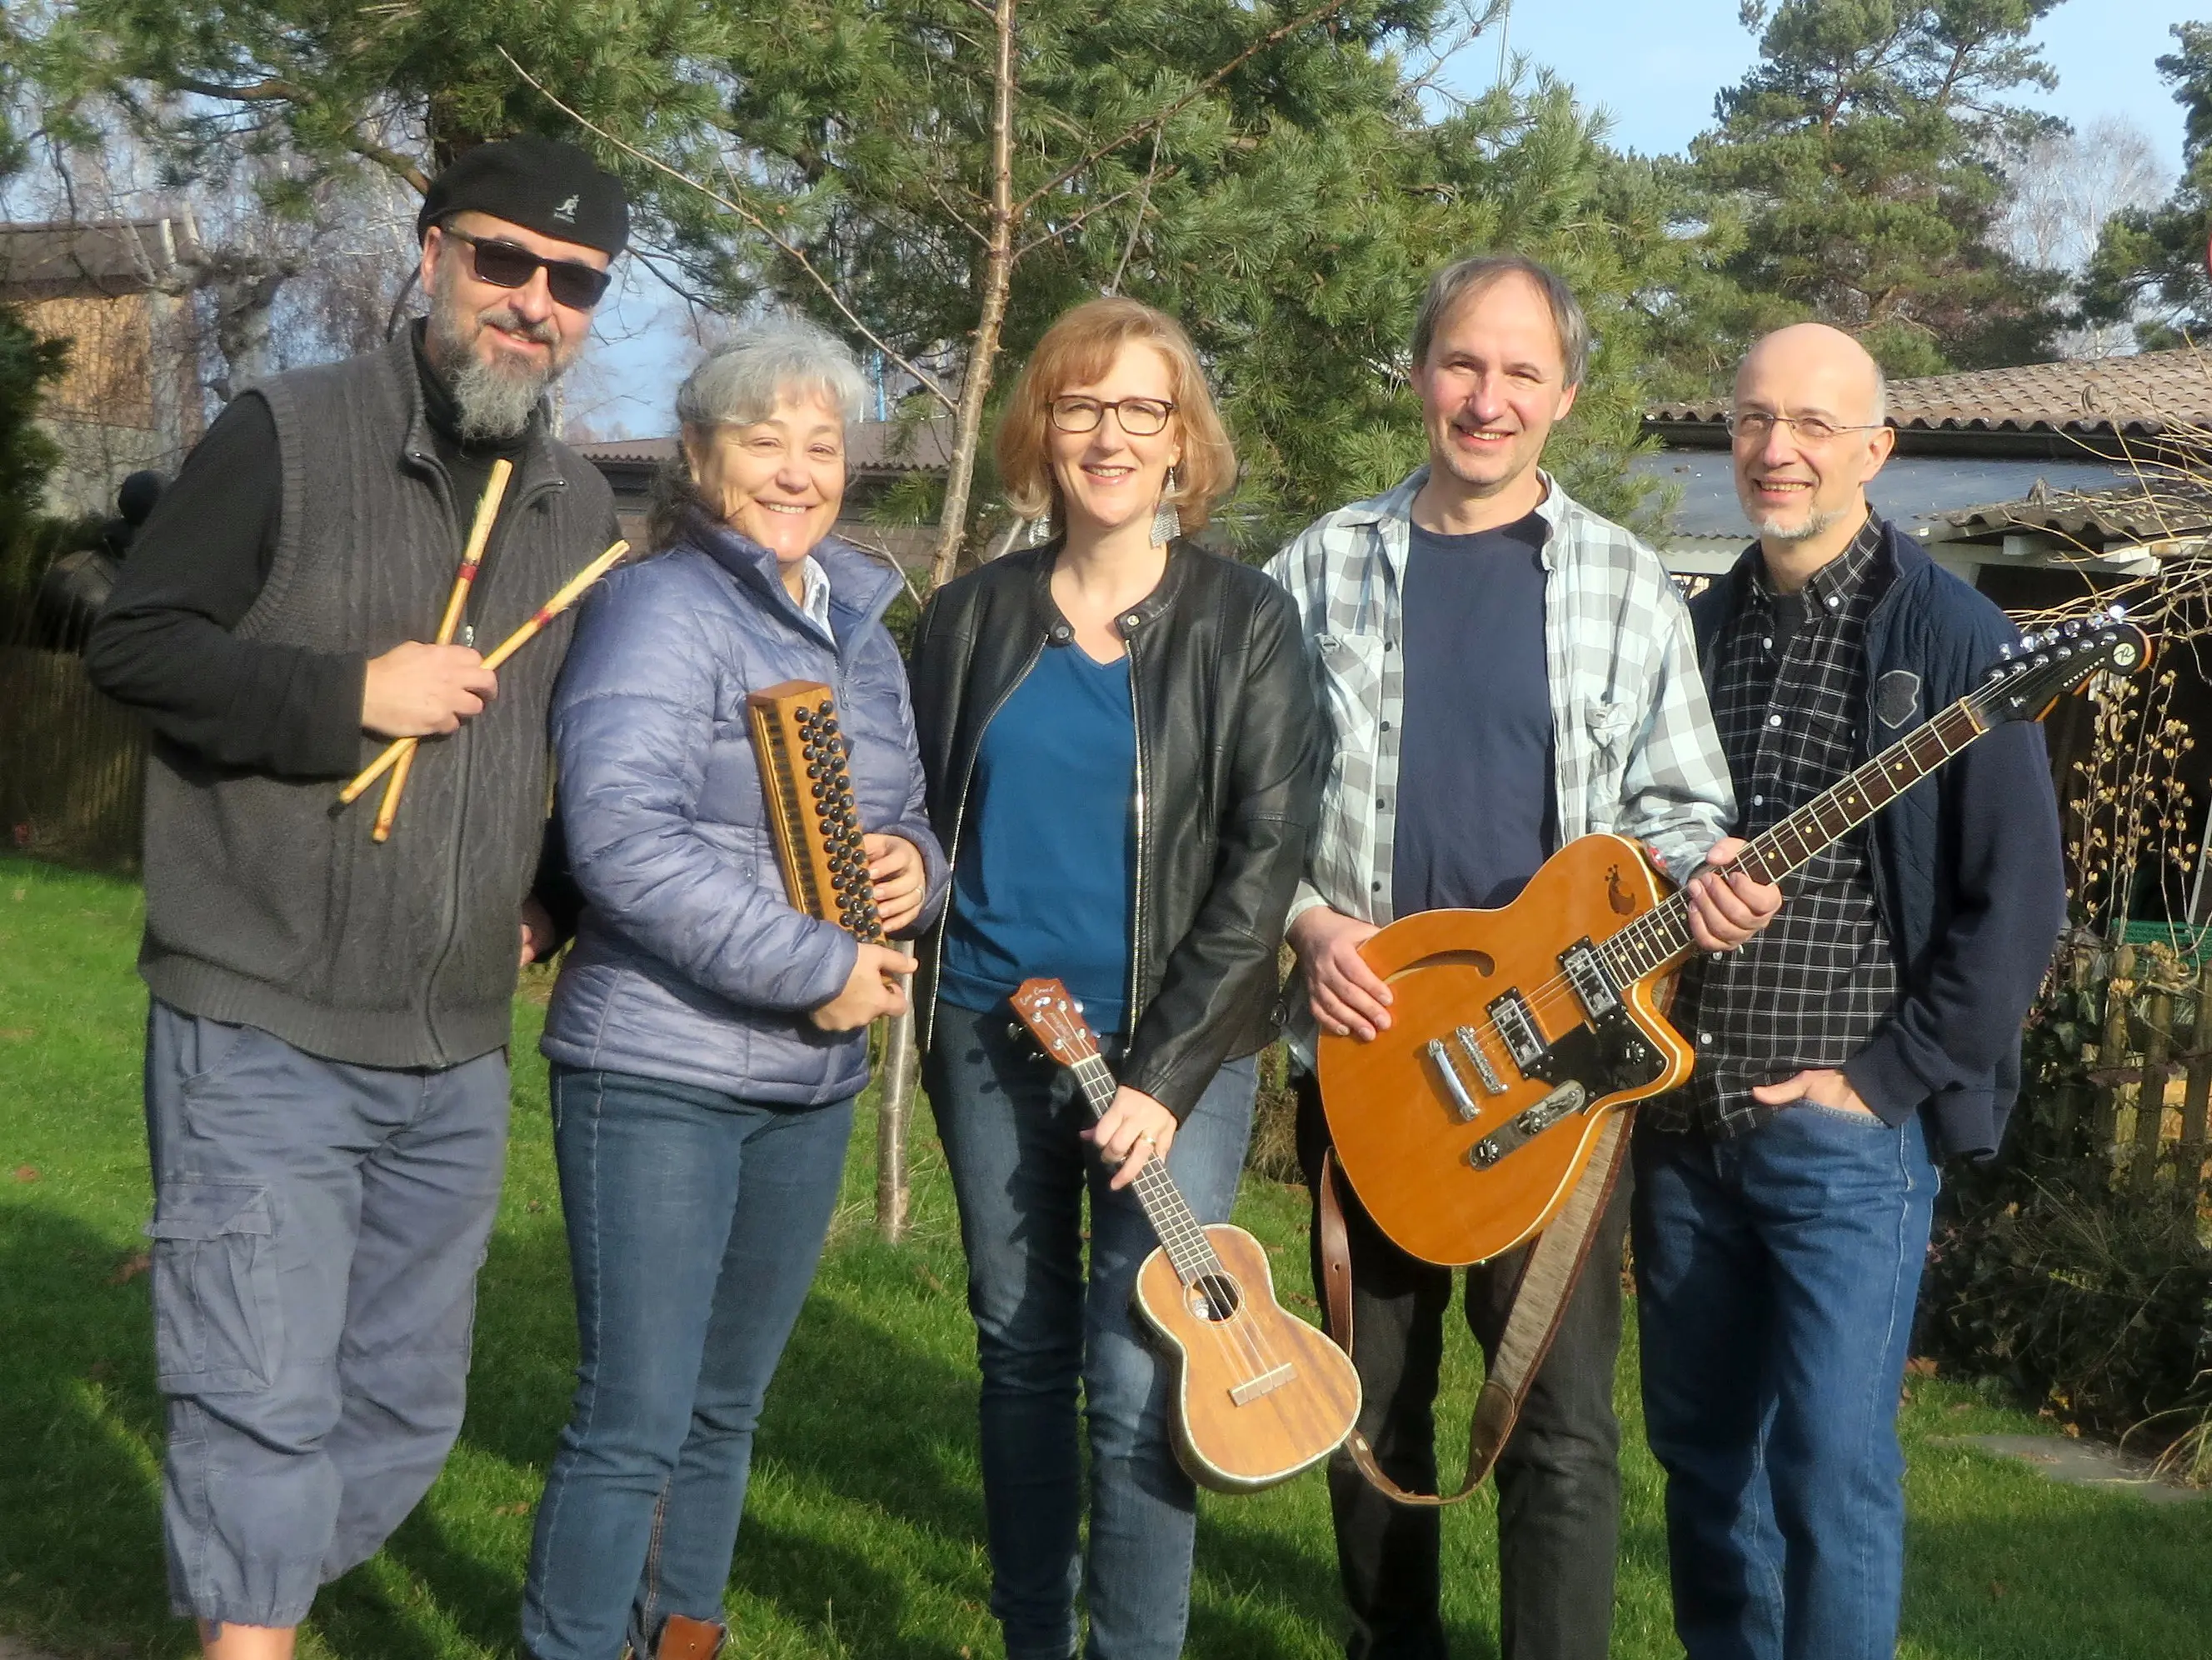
[864,1533]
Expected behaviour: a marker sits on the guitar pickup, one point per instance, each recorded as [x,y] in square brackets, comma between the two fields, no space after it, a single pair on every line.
[1592,985]
[1524,1040]
[1569,1099]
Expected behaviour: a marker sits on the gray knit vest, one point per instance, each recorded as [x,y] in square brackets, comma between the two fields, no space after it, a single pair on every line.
[262,909]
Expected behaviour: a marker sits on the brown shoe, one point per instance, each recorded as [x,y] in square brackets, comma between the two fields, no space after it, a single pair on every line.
[684,1639]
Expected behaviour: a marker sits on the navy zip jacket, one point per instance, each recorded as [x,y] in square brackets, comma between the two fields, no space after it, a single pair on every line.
[1968,869]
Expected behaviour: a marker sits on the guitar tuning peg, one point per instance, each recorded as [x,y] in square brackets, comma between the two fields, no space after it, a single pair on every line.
[2004,652]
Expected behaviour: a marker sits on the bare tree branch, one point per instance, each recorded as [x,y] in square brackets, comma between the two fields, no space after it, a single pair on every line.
[270,90]
[789,250]
[1160,118]
[1060,230]
[1137,223]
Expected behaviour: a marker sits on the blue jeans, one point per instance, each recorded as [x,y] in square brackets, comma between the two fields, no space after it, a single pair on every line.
[1777,1275]
[1010,1127]
[695,1220]
[317,1229]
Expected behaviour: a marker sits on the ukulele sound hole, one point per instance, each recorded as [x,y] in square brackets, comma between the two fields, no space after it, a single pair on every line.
[1214,1297]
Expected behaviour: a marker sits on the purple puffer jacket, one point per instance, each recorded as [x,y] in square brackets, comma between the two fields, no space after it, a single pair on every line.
[689,965]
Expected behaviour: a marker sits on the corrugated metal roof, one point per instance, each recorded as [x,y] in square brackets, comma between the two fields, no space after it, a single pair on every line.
[108,257]
[2151,392]
[1919,492]
[870,447]
[2096,519]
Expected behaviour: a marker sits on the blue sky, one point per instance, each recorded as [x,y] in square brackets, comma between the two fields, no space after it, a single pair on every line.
[1657,83]
[1652,66]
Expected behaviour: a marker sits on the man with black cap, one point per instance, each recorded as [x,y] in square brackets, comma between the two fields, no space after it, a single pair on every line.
[326,1089]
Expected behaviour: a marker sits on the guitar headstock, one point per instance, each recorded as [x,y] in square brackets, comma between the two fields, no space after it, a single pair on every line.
[2044,667]
[1056,1020]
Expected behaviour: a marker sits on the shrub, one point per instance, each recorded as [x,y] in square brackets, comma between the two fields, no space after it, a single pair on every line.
[2095,1302]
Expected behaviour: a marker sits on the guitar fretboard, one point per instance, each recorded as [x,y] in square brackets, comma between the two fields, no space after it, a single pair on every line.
[1180,1234]
[1660,937]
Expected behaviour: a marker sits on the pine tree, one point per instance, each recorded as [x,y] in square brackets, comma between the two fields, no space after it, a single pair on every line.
[2149,266]
[1850,177]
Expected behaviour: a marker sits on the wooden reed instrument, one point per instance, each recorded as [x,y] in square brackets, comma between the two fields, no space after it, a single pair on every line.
[570,592]
[494,492]
[1259,1394]
[806,775]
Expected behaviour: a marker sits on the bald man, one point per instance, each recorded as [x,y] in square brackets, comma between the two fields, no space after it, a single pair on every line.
[1782,1196]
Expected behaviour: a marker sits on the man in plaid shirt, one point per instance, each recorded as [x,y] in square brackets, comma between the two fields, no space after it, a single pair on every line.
[1782,1196]
[1503,671]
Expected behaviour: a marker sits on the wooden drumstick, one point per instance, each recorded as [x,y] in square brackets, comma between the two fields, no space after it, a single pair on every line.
[495,491]
[514,642]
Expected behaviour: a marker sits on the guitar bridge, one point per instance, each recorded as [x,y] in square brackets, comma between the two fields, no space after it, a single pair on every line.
[1471,1046]
[1524,1127]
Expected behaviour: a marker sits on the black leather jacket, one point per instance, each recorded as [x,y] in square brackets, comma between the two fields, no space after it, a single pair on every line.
[1227,774]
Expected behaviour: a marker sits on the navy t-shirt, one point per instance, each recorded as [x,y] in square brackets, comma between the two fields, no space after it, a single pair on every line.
[1478,808]
[1047,871]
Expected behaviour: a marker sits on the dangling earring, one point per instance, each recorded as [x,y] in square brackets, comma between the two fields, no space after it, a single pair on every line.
[1167,523]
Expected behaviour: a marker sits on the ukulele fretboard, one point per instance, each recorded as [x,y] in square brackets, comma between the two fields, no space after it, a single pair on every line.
[1180,1234]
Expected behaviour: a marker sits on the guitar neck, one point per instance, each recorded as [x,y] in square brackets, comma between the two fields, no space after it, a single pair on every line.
[1181,1233]
[1660,939]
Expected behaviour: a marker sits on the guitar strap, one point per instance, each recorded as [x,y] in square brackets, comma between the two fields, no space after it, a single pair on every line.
[1548,1275]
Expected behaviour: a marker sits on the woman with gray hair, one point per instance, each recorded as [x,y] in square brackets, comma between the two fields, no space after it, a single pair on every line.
[707,1039]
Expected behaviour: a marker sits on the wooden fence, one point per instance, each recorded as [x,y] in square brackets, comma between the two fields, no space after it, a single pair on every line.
[2150,1080]
[72,764]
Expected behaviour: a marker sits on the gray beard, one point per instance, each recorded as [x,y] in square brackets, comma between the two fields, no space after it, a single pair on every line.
[1817,525]
[491,403]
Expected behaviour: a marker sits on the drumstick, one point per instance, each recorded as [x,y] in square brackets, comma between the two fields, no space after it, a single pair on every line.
[514,642]
[494,490]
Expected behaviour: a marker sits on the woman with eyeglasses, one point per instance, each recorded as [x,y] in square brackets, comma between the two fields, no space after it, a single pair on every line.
[1122,752]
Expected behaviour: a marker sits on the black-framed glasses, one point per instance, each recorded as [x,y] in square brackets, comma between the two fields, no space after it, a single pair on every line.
[1140,417]
[507,264]
[1756,424]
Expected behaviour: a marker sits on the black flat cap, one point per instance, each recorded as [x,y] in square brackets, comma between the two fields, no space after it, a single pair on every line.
[539,184]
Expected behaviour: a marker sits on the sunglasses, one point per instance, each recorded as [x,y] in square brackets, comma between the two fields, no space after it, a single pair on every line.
[510,265]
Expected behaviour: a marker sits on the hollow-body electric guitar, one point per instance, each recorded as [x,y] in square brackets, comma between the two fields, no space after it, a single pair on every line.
[1259,1394]
[1514,1032]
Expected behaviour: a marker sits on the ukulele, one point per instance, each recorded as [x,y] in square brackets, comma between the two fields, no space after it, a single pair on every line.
[1514,1033]
[1259,1394]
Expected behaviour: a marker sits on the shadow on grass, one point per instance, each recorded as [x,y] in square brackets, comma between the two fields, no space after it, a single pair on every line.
[80,1424]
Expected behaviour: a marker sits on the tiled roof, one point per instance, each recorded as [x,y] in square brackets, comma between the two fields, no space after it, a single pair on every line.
[94,257]
[870,447]
[2147,393]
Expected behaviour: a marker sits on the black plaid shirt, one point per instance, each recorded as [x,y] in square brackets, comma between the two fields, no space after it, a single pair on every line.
[1789,698]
